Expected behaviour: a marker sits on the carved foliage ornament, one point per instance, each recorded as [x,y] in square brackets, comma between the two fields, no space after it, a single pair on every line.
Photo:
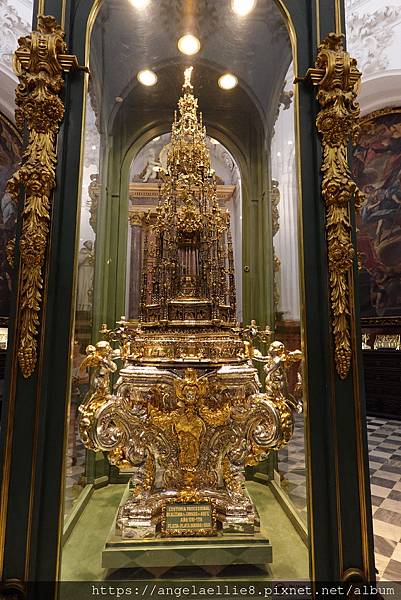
[38,62]
[337,78]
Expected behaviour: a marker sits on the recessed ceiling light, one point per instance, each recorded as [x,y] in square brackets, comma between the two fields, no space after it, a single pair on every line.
[228,81]
[242,7]
[139,3]
[119,99]
[147,77]
[188,44]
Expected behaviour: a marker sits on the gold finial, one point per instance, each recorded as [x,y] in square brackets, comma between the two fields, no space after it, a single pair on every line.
[187,78]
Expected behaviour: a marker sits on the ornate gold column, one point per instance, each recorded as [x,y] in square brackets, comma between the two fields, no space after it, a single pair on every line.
[39,63]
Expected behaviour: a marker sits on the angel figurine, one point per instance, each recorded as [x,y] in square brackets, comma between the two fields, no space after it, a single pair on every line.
[100,358]
[277,362]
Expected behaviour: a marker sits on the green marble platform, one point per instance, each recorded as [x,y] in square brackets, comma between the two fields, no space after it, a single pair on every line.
[158,555]
[211,554]
[82,552]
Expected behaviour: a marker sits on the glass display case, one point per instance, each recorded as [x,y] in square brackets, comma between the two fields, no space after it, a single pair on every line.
[176,234]
[203,405]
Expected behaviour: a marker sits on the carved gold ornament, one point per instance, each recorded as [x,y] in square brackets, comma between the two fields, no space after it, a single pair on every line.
[39,62]
[337,78]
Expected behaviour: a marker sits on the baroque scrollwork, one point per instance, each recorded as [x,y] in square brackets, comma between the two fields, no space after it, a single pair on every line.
[39,62]
[187,435]
[337,78]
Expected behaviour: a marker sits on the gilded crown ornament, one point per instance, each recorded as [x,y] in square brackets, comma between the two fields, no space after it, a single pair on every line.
[188,413]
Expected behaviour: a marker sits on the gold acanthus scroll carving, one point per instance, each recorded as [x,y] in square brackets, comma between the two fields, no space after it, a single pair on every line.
[337,78]
[39,62]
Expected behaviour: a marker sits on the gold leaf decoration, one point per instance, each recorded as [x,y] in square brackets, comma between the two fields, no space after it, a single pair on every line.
[337,78]
[39,62]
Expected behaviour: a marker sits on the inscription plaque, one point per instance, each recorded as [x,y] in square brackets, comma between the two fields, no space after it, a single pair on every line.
[192,518]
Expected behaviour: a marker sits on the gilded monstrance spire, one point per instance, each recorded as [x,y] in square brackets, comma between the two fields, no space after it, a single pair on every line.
[189,279]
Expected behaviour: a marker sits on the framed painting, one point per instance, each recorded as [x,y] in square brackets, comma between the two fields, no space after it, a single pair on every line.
[377,171]
[10,154]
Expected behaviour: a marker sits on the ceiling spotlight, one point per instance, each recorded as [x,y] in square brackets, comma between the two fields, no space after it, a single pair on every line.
[228,81]
[147,77]
[140,3]
[242,7]
[188,44]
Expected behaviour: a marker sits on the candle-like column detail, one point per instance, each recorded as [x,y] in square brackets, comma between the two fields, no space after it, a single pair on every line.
[136,220]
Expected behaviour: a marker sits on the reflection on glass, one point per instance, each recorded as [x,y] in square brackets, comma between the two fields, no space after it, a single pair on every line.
[76,477]
[291,468]
[242,76]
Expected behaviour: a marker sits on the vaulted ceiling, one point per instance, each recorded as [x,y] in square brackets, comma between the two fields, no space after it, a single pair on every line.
[124,40]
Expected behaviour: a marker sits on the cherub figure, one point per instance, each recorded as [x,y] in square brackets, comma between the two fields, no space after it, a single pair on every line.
[100,358]
[278,361]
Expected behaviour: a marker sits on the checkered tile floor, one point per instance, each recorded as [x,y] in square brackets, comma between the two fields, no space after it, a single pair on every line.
[384,440]
[291,463]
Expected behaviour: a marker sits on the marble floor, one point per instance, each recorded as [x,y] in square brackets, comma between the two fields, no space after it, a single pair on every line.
[384,441]
[291,462]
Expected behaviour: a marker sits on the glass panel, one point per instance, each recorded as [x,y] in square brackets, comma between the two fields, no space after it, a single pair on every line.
[187,321]
[291,468]
[76,463]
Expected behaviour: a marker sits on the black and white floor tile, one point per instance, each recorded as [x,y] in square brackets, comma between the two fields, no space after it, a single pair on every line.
[384,441]
[291,464]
